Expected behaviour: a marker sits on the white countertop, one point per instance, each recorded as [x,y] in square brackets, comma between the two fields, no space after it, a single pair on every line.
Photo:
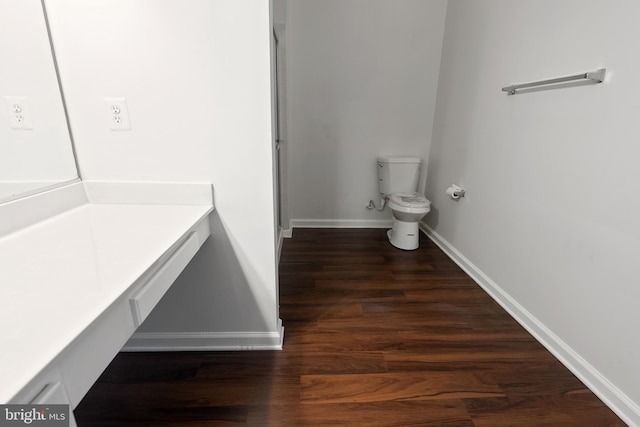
[60,274]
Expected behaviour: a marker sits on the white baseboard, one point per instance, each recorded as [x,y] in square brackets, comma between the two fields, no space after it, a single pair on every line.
[206,341]
[341,223]
[622,405]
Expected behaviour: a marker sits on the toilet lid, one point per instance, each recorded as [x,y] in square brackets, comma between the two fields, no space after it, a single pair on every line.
[410,200]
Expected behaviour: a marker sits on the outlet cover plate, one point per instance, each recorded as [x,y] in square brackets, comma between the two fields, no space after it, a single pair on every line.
[117,114]
[19,110]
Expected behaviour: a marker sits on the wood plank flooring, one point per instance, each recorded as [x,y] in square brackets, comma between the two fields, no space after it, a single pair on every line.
[375,336]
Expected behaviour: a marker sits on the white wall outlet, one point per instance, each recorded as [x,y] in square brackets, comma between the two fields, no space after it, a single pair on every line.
[117,114]
[19,112]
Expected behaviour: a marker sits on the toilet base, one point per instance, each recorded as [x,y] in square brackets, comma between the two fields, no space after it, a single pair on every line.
[404,235]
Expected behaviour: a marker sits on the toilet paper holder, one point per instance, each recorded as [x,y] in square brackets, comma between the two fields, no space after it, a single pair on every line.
[455,191]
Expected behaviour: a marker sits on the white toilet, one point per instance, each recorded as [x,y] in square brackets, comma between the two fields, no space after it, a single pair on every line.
[398,179]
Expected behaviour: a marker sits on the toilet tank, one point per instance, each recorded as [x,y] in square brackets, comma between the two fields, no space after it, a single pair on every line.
[398,174]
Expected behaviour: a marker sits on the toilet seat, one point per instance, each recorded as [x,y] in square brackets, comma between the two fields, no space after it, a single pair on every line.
[409,202]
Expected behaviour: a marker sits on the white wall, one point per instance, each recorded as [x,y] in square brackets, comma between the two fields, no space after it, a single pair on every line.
[42,155]
[196,76]
[550,217]
[279,11]
[362,79]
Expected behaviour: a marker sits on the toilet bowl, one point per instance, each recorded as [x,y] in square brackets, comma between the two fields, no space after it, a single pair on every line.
[407,210]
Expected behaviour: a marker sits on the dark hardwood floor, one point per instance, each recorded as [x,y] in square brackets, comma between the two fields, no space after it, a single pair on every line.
[375,336]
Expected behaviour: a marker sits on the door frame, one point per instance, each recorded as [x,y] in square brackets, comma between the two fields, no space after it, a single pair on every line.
[280,140]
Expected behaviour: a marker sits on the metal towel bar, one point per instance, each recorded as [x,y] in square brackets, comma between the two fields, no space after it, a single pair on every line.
[595,76]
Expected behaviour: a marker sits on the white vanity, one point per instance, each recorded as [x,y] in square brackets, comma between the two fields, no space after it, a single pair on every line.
[82,267]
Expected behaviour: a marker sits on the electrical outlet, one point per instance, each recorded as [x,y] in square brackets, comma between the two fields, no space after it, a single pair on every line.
[19,112]
[117,114]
